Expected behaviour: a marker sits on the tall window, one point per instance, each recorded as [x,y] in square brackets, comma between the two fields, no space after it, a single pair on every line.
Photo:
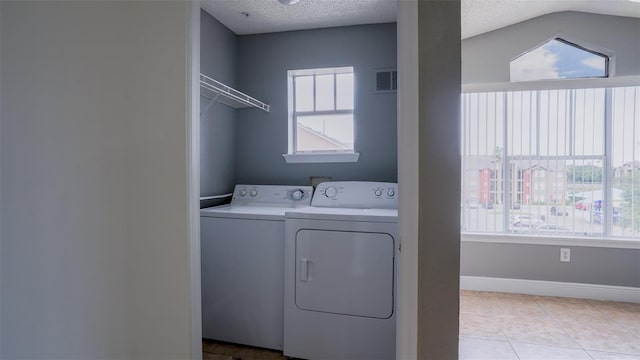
[321,103]
[552,162]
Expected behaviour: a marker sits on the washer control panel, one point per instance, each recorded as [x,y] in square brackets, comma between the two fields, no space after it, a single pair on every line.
[356,194]
[276,195]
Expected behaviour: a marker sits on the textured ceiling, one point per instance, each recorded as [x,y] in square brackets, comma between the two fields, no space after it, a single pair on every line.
[478,16]
[271,16]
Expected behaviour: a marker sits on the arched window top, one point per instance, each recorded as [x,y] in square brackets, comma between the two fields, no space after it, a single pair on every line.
[559,59]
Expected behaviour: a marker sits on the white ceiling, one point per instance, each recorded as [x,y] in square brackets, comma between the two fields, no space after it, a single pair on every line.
[478,16]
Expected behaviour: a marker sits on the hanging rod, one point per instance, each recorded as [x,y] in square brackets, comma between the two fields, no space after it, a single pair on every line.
[216,197]
[217,91]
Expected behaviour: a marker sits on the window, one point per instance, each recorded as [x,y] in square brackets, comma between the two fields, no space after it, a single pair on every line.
[559,59]
[567,158]
[321,103]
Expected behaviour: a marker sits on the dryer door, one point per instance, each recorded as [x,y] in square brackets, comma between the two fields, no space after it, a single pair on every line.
[342,272]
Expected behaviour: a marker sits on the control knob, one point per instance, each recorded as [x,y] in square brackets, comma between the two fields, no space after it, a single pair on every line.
[297,194]
[243,192]
[331,192]
[378,192]
[253,193]
[391,192]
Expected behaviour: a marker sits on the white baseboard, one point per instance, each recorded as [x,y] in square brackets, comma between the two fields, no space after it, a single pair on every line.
[551,288]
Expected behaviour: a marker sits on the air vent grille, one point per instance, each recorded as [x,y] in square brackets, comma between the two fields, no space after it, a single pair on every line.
[386,81]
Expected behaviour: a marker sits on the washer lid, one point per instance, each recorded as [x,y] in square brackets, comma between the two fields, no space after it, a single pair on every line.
[344,214]
[245,212]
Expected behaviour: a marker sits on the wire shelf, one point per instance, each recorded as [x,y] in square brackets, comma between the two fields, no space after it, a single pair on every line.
[217,91]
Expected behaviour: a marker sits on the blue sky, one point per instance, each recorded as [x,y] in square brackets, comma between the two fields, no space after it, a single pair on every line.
[557,60]
[574,62]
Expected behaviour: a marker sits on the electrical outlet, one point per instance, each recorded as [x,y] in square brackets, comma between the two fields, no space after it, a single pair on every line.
[565,254]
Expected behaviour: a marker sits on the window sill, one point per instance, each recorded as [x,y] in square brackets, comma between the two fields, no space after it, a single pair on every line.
[613,243]
[321,158]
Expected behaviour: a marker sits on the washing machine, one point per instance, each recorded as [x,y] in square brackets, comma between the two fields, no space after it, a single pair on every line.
[242,254]
[340,273]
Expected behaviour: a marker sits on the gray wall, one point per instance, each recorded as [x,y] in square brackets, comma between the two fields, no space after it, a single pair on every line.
[217,124]
[592,265]
[486,60]
[94,217]
[486,57]
[439,170]
[261,138]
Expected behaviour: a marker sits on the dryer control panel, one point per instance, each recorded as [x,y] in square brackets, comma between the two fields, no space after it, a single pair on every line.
[356,195]
[272,195]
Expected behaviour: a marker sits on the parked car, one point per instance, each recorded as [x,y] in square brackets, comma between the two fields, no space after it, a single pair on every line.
[597,216]
[552,229]
[523,218]
[583,205]
[487,205]
[473,204]
[524,223]
[558,211]
[515,206]
[617,215]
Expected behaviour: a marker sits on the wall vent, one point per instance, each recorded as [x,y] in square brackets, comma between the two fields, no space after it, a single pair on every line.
[386,81]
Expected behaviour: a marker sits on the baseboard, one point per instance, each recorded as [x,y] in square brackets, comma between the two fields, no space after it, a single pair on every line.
[551,288]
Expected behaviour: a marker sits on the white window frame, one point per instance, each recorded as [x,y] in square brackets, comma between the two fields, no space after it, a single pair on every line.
[603,53]
[606,240]
[324,156]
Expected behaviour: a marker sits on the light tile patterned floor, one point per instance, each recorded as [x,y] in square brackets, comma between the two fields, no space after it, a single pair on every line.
[496,326]
[523,327]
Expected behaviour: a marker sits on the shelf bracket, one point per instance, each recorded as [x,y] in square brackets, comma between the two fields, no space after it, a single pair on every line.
[209,104]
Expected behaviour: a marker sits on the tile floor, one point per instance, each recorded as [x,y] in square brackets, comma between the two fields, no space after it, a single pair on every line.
[496,326]
[522,327]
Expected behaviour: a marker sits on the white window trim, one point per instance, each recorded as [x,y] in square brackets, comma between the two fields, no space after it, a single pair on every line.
[300,157]
[501,238]
[620,81]
[321,157]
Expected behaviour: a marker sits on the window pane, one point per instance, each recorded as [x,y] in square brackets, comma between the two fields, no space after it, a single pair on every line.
[558,59]
[482,206]
[522,124]
[325,133]
[554,122]
[554,181]
[589,121]
[324,92]
[626,162]
[344,87]
[557,197]
[304,93]
[485,119]
[483,149]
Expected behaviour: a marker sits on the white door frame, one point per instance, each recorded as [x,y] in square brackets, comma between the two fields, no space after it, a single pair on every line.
[193,175]
[408,176]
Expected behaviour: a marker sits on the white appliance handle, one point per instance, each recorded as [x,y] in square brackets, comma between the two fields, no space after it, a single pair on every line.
[304,269]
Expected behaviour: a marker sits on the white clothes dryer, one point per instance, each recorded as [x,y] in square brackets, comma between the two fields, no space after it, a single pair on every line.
[242,254]
[340,273]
